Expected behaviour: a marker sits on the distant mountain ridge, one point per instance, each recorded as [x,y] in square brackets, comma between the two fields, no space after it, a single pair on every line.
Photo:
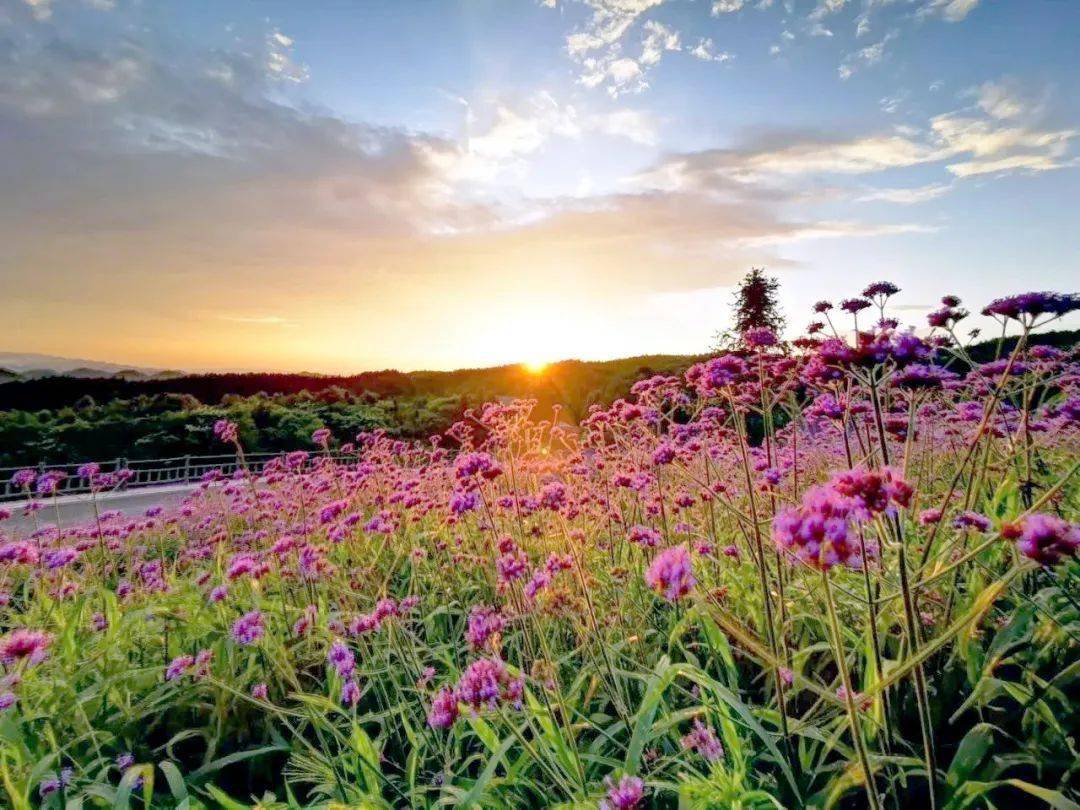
[34,366]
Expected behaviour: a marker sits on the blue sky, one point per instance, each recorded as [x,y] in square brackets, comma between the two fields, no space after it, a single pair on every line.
[337,186]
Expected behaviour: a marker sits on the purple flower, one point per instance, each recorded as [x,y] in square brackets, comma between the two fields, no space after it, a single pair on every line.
[644,536]
[24,645]
[48,482]
[88,470]
[704,741]
[486,683]
[462,502]
[1030,305]
[7,700]
[260,691]
[664,454]
[1047,539]
[48,786]
[671,573]
[882,289]
[512,565]
[350,693]
[178,666]
[444,709]
[24,479]
[125,761]
[225,431]
[469,465]
[321,437]
[248,628]
[341,658]
[854,305]
[972,520]
[626,794]
[760,337]
[484,622]
[60,558]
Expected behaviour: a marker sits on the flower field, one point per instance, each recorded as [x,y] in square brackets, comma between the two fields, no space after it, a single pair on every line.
[836,572]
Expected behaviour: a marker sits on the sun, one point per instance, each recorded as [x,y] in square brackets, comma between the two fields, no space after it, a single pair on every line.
[535,366]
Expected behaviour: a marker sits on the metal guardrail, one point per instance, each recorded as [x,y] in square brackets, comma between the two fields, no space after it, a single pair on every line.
[144,472]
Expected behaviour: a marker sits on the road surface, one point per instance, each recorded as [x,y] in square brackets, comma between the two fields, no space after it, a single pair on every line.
[76,509]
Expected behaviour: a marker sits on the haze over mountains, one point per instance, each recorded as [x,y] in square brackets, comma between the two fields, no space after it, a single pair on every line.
[33,366]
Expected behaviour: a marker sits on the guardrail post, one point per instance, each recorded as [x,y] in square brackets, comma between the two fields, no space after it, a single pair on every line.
[187,468]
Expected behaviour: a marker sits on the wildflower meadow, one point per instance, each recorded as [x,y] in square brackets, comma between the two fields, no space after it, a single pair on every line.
[833,572]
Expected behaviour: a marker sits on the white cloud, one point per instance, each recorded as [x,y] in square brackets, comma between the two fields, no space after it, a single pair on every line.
[864,57]
[610,20]
[658,39]
[890,104]
[999,101]
[964,143]
[951,10]
[905,196]
[280,63]
[831,230]
[726,6]
[599,46]
[502,137]
[825,8]
[706,51]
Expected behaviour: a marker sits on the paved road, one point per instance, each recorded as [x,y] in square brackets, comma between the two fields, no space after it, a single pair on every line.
[79,509]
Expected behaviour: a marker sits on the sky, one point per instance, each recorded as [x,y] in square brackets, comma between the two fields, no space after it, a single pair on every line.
[339,186]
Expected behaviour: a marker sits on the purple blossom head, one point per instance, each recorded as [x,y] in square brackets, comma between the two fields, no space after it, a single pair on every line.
[88,470]
[703,741]
[350,693]
[470,465]
[341,658]
[49,482]
[664,454]
[880,289]
[760,337]
[22,644]
[462,502]
[249,628]
[626,794]
[972,520]
[226,431]
[24,479]
[1030,305]
[486,683]
[178,666]
[854,305]
[644,536]
[1047,539]
[444,709]
[321,437]
[671,573]
[484,623]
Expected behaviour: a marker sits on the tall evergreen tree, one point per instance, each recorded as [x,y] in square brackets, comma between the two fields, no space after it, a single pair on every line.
[756,303]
